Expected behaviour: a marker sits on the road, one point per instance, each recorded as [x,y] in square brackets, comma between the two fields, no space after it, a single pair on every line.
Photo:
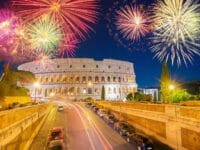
[84,130]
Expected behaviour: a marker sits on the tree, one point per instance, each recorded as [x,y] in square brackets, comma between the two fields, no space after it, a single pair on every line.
[103,93]
[165,82]
[130,97]
[9,84]
[138,96]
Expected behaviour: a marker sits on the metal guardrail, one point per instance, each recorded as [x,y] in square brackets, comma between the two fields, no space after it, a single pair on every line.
[11,132]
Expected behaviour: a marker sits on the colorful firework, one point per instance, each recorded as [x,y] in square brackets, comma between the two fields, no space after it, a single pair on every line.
[129,23]
[74,17]
[44,60]
[44,35]
[8,23]
[177,30]
[132,22]
[12,38]
[68,47]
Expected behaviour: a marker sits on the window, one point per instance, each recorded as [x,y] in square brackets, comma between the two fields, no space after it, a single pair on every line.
[109,66]
[64,79]
[78,90]
[96,79]
[90,78]
[70,66]
[58,66]
[84,79]
[119,67]
[97,66]
[114,90]
[77,79]
[108,79]
[71,79]
[119,79]
[89,90]
[102,79]
[83,66]
[109,90]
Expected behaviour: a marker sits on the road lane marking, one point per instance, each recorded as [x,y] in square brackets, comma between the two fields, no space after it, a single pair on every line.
[89,137]
[98,130]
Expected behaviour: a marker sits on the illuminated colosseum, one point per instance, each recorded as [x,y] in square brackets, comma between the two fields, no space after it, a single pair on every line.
[79,78]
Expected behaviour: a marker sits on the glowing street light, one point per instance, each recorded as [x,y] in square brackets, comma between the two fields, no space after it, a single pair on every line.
[36,84]
[90,84]
[52,94]
[171,87]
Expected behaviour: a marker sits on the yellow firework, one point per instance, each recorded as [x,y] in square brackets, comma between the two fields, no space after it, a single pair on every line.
[177,29]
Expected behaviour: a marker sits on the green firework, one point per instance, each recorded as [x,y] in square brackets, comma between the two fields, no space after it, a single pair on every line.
[44,35]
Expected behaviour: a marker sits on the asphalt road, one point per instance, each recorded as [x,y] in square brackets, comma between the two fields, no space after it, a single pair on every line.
[84,130]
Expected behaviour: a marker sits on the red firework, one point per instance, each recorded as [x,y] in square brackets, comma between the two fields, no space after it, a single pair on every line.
[74,16]
[133,22]
[12,38]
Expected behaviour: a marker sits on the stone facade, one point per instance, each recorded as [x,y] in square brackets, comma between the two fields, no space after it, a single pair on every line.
[79,78]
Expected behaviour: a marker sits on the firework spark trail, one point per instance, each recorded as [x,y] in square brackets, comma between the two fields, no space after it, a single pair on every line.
[132,22]
[177,29]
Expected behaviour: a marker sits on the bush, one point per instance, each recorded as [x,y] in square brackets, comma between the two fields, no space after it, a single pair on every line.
[130,97]
[143,97]
[89,99]
[180,95]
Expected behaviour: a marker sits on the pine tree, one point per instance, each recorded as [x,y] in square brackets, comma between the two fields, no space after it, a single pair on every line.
[165,82]
[103,93]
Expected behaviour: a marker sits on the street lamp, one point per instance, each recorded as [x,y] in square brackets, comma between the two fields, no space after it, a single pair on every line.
[90,84]
[171,87]
[36,86]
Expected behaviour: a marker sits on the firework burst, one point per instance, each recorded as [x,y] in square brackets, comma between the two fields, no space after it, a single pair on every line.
[177,30]
[74,17]
[132,22]
[8,23]
[129,23]
[12,38]
[44,35]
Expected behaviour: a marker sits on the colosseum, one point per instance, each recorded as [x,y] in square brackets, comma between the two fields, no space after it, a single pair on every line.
[79,78]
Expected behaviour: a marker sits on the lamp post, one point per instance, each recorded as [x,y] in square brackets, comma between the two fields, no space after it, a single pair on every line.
[36,86]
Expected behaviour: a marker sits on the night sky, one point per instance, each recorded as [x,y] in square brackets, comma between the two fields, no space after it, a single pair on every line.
[100,45]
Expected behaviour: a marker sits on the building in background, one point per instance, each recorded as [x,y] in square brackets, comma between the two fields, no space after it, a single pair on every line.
[153,91]
[79,78]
